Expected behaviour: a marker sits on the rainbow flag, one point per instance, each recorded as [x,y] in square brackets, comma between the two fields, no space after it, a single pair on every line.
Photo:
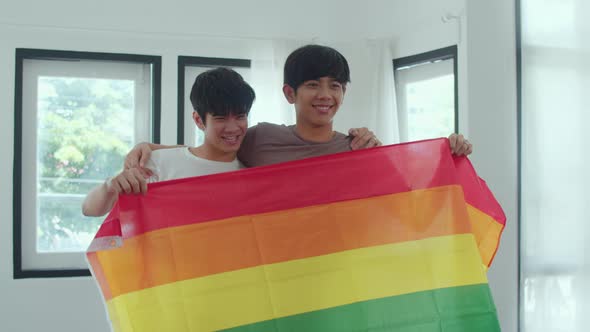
[395,238]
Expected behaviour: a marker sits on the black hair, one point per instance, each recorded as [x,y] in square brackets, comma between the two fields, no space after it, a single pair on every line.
[311,62]
[221,91]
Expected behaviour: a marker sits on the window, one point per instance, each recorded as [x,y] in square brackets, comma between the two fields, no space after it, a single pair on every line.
[188,69]
[554,78]
[426,90]
[76,116]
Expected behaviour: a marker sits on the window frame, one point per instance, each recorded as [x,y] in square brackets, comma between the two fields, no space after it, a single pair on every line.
[445,53]
[519,127]
[198,61]
[22,54]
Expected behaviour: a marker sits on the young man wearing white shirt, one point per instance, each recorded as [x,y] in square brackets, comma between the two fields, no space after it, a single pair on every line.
[221,100]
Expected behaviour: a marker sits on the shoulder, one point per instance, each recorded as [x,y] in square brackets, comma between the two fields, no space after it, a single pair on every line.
[263,131]
[341,142]
[160,162]
[270,126]
[164,157]
[164,154]
[338,136]
[266,128]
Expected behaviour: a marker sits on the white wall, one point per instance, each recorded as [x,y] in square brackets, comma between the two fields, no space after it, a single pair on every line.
[491,79]
[487,99]
[304,19]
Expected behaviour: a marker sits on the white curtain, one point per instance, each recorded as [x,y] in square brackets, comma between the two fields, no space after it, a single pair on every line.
[370,98]
[555,230]
[369,101]
[267,81]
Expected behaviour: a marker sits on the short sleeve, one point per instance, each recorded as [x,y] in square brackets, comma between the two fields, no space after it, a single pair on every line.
[153,167]
[247,149]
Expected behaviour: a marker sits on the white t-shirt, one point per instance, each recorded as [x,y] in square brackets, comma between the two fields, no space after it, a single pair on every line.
[175,163]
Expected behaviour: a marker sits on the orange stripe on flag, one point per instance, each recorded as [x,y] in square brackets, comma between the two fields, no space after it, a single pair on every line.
[487,232]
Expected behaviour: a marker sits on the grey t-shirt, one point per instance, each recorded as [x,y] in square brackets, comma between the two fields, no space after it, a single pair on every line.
[268,143]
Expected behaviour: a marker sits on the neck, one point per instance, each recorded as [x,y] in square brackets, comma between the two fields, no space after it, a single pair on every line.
[315,134]
[207,152]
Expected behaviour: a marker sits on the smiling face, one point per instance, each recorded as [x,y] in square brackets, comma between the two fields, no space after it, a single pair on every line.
[223,134]
[316,101]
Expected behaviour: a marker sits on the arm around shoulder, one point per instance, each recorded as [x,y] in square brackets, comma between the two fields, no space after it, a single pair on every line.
[141,153]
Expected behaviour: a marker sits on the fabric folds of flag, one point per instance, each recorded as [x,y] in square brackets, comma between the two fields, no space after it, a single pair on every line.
[395,238]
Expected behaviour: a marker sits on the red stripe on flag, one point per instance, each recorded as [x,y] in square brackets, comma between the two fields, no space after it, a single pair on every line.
[332,178]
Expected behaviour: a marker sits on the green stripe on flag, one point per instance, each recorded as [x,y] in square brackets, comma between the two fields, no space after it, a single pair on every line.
[465,309]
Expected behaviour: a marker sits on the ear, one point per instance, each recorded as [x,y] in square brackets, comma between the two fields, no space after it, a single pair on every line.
[289,93]
[198,120]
